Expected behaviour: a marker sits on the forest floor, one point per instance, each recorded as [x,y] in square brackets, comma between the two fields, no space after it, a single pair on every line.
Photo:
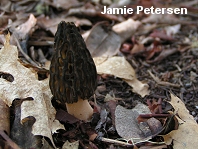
[150,69]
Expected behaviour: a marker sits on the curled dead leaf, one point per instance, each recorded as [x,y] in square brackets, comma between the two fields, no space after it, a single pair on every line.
[24,29]
[119,67]
[26,84]
[184,136]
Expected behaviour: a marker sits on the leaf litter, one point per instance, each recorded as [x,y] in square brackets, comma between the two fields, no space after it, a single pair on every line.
[25,85]
[185,136]
[120,68]
[161,50]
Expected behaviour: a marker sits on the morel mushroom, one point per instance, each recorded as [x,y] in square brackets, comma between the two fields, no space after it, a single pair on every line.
[73,76]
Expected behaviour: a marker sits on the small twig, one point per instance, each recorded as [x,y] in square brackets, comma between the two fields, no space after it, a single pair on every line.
[177,66]
[154,115]
[134,141]
[41,43]
[95,101]
[158,81]
[42,58]
[116,142]
[24,54]
[9,141]
[159,103]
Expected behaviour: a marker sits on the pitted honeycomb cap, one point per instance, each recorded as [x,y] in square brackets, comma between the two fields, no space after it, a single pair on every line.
[72,72]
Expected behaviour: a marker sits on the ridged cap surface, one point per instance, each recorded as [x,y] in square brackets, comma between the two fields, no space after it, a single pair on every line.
[72,71]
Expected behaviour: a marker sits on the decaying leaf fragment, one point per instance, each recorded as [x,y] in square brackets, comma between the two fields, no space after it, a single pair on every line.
[21,130]
[119,67]
[185,137]
[103,41]
[24,29]
[126,121]
[26,84]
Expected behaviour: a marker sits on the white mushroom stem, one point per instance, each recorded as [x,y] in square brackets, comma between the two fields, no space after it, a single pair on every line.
[81,109]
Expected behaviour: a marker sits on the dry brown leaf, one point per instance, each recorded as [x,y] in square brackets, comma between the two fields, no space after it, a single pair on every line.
[162,35]
[90,10]
[164,54]
[162,18]
[65,4]
[26,84]
[185,137]
[51,24]
[24,29]
[166,19]
[126,29]
[102,41]
[138,48]
[18,6]
[119,67]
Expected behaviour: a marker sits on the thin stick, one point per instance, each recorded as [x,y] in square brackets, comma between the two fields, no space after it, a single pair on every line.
[158,81]
[116,142]
[24,54]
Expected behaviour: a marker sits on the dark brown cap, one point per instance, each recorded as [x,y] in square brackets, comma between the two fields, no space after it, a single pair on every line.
[72,71]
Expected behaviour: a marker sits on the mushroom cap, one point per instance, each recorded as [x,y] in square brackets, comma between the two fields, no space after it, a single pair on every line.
[72,70]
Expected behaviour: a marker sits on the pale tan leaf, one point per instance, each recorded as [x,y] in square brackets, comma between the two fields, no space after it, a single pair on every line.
[138,87]
[26,84]
[186,135]
[119,67]
[126,28]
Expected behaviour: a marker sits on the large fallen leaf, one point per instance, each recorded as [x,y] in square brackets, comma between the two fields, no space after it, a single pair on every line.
[185,137]
[26,84]
[102,41]
[164,54]
[126,29]
[51,24]
[126,121]
[119,67]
